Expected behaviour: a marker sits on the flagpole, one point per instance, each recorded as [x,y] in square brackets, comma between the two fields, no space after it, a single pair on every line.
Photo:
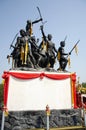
[3,120]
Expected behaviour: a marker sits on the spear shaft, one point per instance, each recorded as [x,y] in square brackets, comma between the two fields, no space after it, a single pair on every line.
[73,47]
[13,40]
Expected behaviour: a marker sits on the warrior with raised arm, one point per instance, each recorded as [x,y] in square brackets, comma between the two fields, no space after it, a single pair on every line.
[29,26]
[49,47]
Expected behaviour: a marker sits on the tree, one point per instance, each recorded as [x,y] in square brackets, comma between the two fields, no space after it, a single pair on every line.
[84,84]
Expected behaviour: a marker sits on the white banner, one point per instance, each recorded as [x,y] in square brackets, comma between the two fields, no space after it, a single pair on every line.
[36,93]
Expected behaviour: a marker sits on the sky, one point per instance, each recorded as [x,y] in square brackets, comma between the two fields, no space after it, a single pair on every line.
[61,17]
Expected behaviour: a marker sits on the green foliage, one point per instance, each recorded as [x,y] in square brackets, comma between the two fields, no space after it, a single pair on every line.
[84,84]
[1,93]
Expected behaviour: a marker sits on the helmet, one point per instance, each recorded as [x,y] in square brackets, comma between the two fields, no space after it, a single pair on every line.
[49,36]
[62,43]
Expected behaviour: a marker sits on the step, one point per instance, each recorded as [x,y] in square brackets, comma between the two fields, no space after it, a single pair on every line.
[63,128]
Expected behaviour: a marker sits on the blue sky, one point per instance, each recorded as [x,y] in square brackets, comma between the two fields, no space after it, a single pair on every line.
[64,17]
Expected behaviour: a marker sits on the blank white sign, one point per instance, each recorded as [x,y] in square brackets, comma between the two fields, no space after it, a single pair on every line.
[36,93]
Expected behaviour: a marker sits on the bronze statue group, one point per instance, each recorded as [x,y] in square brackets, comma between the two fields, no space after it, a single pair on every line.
[26,52]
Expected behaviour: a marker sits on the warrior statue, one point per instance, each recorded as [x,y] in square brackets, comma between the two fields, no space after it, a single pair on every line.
[21,54]
[29,26]
[35,52]
[48,48]
[61,56]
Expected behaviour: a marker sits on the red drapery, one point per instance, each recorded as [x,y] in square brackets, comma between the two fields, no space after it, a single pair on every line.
[37,75]
[41,75]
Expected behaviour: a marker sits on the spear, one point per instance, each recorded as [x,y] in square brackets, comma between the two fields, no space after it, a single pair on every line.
[65,38]
[73,47]
[13,40]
